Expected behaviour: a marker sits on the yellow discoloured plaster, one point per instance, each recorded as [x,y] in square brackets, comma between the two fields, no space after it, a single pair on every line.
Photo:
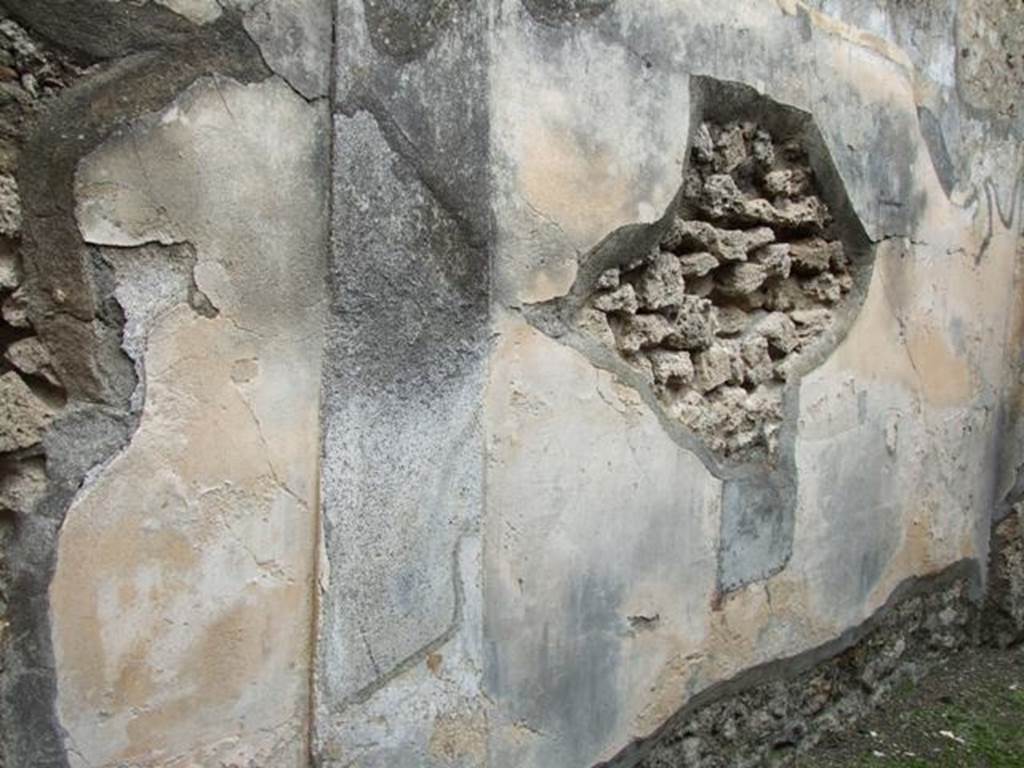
[182,602]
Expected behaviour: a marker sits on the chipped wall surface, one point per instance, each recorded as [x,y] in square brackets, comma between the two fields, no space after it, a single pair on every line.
[881,427]
[500,384]
[183,590]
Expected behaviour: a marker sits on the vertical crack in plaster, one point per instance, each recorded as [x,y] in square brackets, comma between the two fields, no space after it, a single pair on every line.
[321,564]
[267,450]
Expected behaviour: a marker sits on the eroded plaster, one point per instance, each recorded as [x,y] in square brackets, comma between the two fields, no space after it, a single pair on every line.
[184,588]
[367,502]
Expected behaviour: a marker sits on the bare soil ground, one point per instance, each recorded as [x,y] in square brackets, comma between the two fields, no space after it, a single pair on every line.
[967,713]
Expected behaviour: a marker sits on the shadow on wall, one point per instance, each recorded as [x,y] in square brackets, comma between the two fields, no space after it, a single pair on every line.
[714,312]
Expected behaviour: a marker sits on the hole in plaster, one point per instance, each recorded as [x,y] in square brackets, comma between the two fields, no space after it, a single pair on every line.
[747,281]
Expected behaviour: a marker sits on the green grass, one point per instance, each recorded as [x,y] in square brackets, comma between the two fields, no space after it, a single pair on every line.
[992,730]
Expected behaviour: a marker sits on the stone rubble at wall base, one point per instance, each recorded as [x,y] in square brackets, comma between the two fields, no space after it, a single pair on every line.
[1003,616]
[771,722]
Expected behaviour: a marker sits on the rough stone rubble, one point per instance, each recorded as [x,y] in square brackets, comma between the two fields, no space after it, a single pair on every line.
[1004,599]
[771,722]
[31,392]
[748,276]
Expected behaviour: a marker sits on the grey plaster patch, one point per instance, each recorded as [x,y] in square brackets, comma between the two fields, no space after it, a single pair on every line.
[756,530]
[406,354]
[581,665]
[105,428]
[444,138]
[295,38]
[406,29]
[401,395]
[900,200]
[569,687]
[430,712]
[931,131]
[859,512]
[566,11]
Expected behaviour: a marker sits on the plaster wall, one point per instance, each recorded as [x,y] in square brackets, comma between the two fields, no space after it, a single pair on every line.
[381,501]
[184,586]
[593,526]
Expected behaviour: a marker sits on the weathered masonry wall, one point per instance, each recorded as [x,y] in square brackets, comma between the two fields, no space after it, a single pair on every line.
[505,384]
[173,250]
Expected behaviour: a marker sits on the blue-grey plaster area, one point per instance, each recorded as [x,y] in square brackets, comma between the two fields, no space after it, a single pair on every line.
[756,536]
[556,12]
[400,405]
[578,659]
[406,348]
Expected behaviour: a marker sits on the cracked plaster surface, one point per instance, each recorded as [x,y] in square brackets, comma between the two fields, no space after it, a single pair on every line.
[178,561]
[912,389]
[885,393]
[294,36]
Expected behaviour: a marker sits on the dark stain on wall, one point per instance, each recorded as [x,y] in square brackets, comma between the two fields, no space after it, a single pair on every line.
[557,12]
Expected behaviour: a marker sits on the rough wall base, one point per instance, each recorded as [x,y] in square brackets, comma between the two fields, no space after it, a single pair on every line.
[770,714]
[1003,613]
